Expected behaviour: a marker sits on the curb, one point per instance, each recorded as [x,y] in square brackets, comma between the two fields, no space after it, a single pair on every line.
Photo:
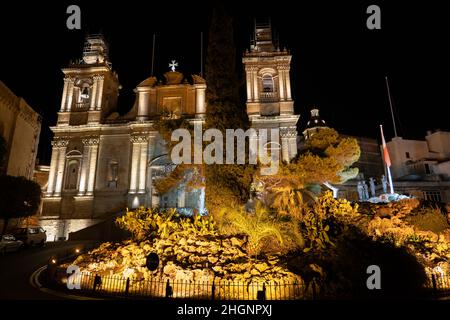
[34,281]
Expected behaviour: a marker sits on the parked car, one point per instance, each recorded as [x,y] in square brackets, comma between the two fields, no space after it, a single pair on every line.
[31,235]
[9,244]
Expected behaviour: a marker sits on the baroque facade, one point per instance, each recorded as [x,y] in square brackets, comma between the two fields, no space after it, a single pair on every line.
[269,99]
[103,162]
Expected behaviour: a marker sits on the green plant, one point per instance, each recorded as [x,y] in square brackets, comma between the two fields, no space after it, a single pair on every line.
[19,197]
[428,219]
[315,230]
[291,202]
[262,229]
[145,223]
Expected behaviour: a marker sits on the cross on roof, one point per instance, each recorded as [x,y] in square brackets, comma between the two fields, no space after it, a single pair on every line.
[173,65]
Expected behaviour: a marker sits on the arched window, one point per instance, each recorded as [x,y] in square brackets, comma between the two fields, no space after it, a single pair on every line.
[73,166]
[72,173]
[267,82]
[113,173]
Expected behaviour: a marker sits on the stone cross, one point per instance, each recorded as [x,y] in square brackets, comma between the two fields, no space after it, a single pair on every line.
[173,64]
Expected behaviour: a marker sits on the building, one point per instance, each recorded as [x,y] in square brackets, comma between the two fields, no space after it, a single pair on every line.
[269,99]
[422,167]
[20,126]
[314,124]
[369,164]
[103,162]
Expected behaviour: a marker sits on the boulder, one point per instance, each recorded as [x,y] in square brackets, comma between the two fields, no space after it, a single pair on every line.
[261,267]
[235,242]
[255,272]
[212,259]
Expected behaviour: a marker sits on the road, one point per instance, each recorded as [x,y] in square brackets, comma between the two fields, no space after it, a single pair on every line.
[16,269]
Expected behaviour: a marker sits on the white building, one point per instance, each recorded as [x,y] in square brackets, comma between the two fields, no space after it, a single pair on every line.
[422,167]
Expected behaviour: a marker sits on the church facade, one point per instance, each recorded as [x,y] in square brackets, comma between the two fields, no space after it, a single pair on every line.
[103,162]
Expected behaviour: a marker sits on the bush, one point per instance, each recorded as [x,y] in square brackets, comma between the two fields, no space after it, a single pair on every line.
[264,230]
[146,223]
[428,219]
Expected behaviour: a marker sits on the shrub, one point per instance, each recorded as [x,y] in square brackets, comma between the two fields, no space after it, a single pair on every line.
[145,223]
[428,219]
[264,230]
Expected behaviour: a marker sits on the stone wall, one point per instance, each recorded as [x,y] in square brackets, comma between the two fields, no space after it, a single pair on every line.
[60,228]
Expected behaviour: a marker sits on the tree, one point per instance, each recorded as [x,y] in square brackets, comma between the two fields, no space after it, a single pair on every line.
[19,197]
[225,111]
[327,158]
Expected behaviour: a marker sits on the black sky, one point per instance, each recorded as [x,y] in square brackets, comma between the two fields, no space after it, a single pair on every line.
[338,64]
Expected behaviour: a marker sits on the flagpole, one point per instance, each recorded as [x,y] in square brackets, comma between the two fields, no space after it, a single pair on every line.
[201,54]
[153,54]
[391,185]
[390,104]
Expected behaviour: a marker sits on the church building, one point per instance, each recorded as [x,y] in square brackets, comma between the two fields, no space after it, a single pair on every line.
[103,162]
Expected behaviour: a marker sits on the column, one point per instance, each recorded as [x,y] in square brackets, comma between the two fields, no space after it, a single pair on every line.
[253,147]
[249,84]
[143,164]
[93,93]
[53,167]
[284,145]
[62,146]
[64,95]
[255,86]
[288,83]
[92,165]
[134,164]
[200,104]
[84,167]
[293,147]
[143,105]
[281,83]
[99,94]
[70,94]
[181,201]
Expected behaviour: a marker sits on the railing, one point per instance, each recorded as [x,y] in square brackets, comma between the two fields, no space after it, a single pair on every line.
[268,96]
[156,288]
[81,106]
[440,283]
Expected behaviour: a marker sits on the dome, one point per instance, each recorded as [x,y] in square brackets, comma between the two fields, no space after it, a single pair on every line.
[315,120]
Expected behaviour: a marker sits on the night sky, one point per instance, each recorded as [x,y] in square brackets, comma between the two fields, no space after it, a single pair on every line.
[338,64]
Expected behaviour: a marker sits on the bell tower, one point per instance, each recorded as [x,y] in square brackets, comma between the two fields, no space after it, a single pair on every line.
[91,87]
[269,100]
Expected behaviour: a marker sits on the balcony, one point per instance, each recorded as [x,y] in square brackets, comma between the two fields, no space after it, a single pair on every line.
[81,106]
[268,97]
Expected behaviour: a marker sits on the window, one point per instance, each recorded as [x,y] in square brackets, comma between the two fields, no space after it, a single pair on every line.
[113,174]
[407,155]
[427,168]
[267,81]
[72,175]
[432,195]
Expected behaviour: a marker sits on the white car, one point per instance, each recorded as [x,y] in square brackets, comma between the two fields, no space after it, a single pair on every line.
[31,235]
[9,244]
